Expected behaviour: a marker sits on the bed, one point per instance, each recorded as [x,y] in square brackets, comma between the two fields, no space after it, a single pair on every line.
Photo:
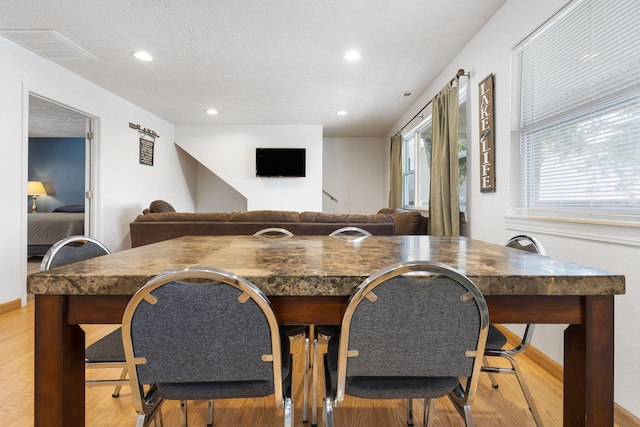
[45,229]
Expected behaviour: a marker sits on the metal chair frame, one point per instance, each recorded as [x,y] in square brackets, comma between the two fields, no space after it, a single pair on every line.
[51,254]
[351,231]
[273,232]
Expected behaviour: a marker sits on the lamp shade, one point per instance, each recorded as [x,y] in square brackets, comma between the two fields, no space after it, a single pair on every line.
[35,188]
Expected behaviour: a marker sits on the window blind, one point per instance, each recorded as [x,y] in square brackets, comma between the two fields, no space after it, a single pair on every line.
[578,119]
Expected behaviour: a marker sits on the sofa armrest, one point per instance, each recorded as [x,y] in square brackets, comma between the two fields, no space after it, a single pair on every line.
[407,221]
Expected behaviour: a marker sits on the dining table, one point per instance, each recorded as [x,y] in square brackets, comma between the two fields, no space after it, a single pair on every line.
[308,280]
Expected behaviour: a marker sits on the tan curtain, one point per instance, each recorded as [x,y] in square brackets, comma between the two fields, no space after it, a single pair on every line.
[395,175]
[444,205]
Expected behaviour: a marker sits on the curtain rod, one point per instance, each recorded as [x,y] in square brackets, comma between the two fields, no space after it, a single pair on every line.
[459,74]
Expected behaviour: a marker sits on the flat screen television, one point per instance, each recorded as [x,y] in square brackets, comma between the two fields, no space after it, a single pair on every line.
[280,162]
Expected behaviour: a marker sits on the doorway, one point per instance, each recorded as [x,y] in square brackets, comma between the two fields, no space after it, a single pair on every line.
[60,146]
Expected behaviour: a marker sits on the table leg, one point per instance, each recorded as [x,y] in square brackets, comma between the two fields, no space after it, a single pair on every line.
[588,366]
[59,365]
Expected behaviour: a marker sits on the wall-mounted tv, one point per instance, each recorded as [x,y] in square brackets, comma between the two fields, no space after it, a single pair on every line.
[280,162]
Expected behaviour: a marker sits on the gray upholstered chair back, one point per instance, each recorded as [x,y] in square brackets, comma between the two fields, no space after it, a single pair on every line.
[72,249]
[429,323]
[200,333]
[409,330]
[187,335]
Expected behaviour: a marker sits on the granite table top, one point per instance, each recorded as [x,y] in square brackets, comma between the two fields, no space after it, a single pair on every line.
[328,266]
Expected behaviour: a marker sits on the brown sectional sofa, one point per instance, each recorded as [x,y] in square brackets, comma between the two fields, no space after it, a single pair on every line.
[161,222]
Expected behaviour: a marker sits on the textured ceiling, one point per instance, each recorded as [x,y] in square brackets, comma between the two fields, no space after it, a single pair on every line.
[262,61]
[49,120]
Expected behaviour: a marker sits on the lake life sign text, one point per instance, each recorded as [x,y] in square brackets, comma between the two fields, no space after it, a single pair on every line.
[487,141]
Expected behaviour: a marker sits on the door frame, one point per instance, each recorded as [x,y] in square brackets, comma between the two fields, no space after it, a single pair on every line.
[91,136]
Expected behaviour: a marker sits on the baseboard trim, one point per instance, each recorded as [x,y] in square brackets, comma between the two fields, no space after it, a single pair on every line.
[622,417]
[9,306]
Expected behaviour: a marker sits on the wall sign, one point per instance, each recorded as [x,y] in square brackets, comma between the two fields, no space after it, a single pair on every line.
[146,152]
[487,141]
[147,140]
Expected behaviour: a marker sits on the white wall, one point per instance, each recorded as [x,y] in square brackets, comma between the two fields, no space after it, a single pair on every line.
[215,195]
[122,186]
[489,52]
[355,173]
[229,152]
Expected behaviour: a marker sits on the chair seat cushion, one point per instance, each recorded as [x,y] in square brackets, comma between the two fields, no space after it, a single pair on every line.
[386,387]
[495,339]
[400,387]
[106,349]
[217,390]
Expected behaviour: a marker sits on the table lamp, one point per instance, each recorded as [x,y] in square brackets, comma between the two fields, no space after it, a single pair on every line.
[35,189]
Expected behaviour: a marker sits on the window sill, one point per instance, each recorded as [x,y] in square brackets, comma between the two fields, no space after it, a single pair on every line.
[617,232]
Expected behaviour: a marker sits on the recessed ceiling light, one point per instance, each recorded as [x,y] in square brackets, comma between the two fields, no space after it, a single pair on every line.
[212,112]
[352,55]
[342,113]
[142,55]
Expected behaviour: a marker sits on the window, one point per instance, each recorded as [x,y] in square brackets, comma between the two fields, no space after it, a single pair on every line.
[577,124]
[416,155]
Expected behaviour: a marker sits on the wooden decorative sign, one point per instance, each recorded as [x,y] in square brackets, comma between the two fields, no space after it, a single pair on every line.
[146,152]
[487,140]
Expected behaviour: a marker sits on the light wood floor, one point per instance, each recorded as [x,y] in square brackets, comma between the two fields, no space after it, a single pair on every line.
[502,407]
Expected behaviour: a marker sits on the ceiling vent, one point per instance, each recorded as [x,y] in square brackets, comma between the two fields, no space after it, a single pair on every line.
[47,43]
[405,95]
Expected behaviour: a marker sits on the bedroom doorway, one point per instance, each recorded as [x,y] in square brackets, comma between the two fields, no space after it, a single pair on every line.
[60,145]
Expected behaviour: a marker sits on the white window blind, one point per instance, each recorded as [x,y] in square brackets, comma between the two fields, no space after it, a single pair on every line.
[577,128]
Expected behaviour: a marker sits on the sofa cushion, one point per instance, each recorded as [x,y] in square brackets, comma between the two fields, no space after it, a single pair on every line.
[343,218]
[264,216]
[184,217]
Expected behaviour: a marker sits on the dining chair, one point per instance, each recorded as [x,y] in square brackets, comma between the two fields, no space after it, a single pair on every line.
[412,330]
[325,332]
[107,352]
[229,346]
[294,331]
[496,340]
